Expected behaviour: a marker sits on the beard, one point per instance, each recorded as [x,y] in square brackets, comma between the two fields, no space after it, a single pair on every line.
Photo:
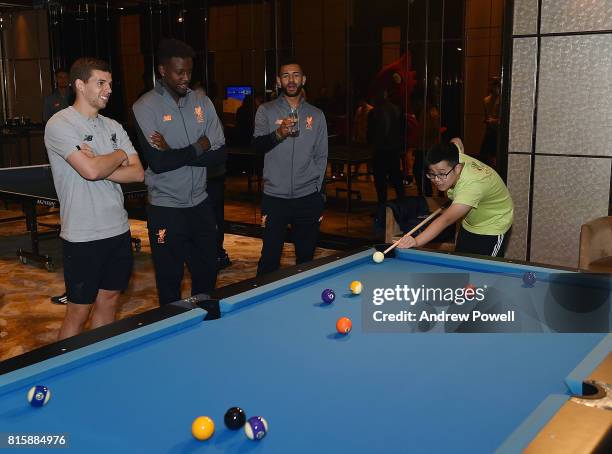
[298,91]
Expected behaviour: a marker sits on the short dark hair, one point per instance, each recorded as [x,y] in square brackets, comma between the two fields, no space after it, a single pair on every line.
[287,62]
[169,48]
[82,68]
[442,152]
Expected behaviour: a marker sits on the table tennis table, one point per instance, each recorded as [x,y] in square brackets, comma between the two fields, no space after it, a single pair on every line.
[32,186]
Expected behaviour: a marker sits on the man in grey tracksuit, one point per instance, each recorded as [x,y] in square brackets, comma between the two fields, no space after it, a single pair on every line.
[180,135]
[293,135]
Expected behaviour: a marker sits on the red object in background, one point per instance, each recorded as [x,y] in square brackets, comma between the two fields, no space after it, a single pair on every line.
[398,80]
[470,291]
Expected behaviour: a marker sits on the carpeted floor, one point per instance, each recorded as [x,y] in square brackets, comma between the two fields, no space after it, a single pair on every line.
[28,319]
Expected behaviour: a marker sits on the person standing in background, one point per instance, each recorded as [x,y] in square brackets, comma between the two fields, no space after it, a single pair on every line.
[488,149]
[61,97]
[385,136]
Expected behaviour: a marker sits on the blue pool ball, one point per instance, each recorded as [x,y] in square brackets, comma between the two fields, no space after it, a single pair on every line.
[328,296]
[529,278]
[39,396]
[256,428]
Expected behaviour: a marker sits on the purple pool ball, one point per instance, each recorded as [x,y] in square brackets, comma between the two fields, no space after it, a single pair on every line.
[328,296]
[256,428]
[529,279]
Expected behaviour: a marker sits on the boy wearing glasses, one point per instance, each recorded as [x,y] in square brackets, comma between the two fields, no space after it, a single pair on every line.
[479,196]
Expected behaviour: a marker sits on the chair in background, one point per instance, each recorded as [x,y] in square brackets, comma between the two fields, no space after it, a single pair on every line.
[596,245]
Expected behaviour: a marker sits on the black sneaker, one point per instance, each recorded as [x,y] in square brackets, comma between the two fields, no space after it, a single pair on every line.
[223,261]
[62,299]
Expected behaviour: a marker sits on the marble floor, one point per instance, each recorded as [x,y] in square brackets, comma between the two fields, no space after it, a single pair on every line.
[29,320]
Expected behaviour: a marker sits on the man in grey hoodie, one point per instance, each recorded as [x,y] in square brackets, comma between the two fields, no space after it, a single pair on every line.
[293,136]
[180,135]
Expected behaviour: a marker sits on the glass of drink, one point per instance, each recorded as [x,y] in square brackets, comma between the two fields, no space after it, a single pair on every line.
[295,129]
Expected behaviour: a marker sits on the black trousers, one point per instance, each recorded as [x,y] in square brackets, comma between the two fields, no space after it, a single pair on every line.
[488,148]
[489,245]
[303,214]
[418,170]
[215,187]
[182,236]
[387,163]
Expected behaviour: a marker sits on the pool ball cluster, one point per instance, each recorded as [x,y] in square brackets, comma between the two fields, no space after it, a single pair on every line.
[202,427]
[328,296]
[255,428]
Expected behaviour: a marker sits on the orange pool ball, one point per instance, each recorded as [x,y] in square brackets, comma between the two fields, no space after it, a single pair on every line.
[202,428]
[344,325]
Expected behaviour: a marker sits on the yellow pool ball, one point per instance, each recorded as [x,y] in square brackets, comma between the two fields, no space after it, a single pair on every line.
[203,428]
[356,287]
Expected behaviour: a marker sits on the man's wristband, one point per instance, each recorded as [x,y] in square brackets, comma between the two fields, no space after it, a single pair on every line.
[278,137]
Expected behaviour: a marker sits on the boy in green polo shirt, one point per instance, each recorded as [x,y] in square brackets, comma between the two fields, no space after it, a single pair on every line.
[479,196]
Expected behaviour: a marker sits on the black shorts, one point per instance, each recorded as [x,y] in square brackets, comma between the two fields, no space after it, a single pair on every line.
[93,265]
[473,243]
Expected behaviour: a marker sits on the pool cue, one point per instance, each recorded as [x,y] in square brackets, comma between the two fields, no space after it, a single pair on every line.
[421,224]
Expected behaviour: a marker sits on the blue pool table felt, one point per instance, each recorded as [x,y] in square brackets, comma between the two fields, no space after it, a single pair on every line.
[276,354]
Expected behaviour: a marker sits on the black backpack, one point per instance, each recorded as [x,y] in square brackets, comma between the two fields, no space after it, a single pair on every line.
[410,212]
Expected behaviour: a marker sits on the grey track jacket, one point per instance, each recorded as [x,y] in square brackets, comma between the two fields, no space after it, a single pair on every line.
[177,177]
[294,167]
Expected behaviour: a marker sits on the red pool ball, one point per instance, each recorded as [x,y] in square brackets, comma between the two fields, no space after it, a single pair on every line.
[470,291]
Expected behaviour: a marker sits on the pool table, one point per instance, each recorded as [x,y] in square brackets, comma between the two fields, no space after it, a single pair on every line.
[269,345]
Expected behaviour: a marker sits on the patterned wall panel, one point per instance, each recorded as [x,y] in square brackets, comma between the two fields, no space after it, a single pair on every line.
[574,104]
[523,93]
[562,16]
[567,193]
[525,17]
[518,184]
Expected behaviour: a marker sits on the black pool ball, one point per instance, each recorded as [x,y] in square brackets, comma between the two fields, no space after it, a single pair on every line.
[234,418]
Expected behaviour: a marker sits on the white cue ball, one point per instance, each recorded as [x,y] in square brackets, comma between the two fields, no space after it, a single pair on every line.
[378,257]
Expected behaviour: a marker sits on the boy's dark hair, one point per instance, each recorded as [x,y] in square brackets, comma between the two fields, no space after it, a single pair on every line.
[82,68]
[442,152]
[169,48]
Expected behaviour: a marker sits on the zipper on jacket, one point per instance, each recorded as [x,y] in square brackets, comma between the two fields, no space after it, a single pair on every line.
[292,156]
[188,140]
